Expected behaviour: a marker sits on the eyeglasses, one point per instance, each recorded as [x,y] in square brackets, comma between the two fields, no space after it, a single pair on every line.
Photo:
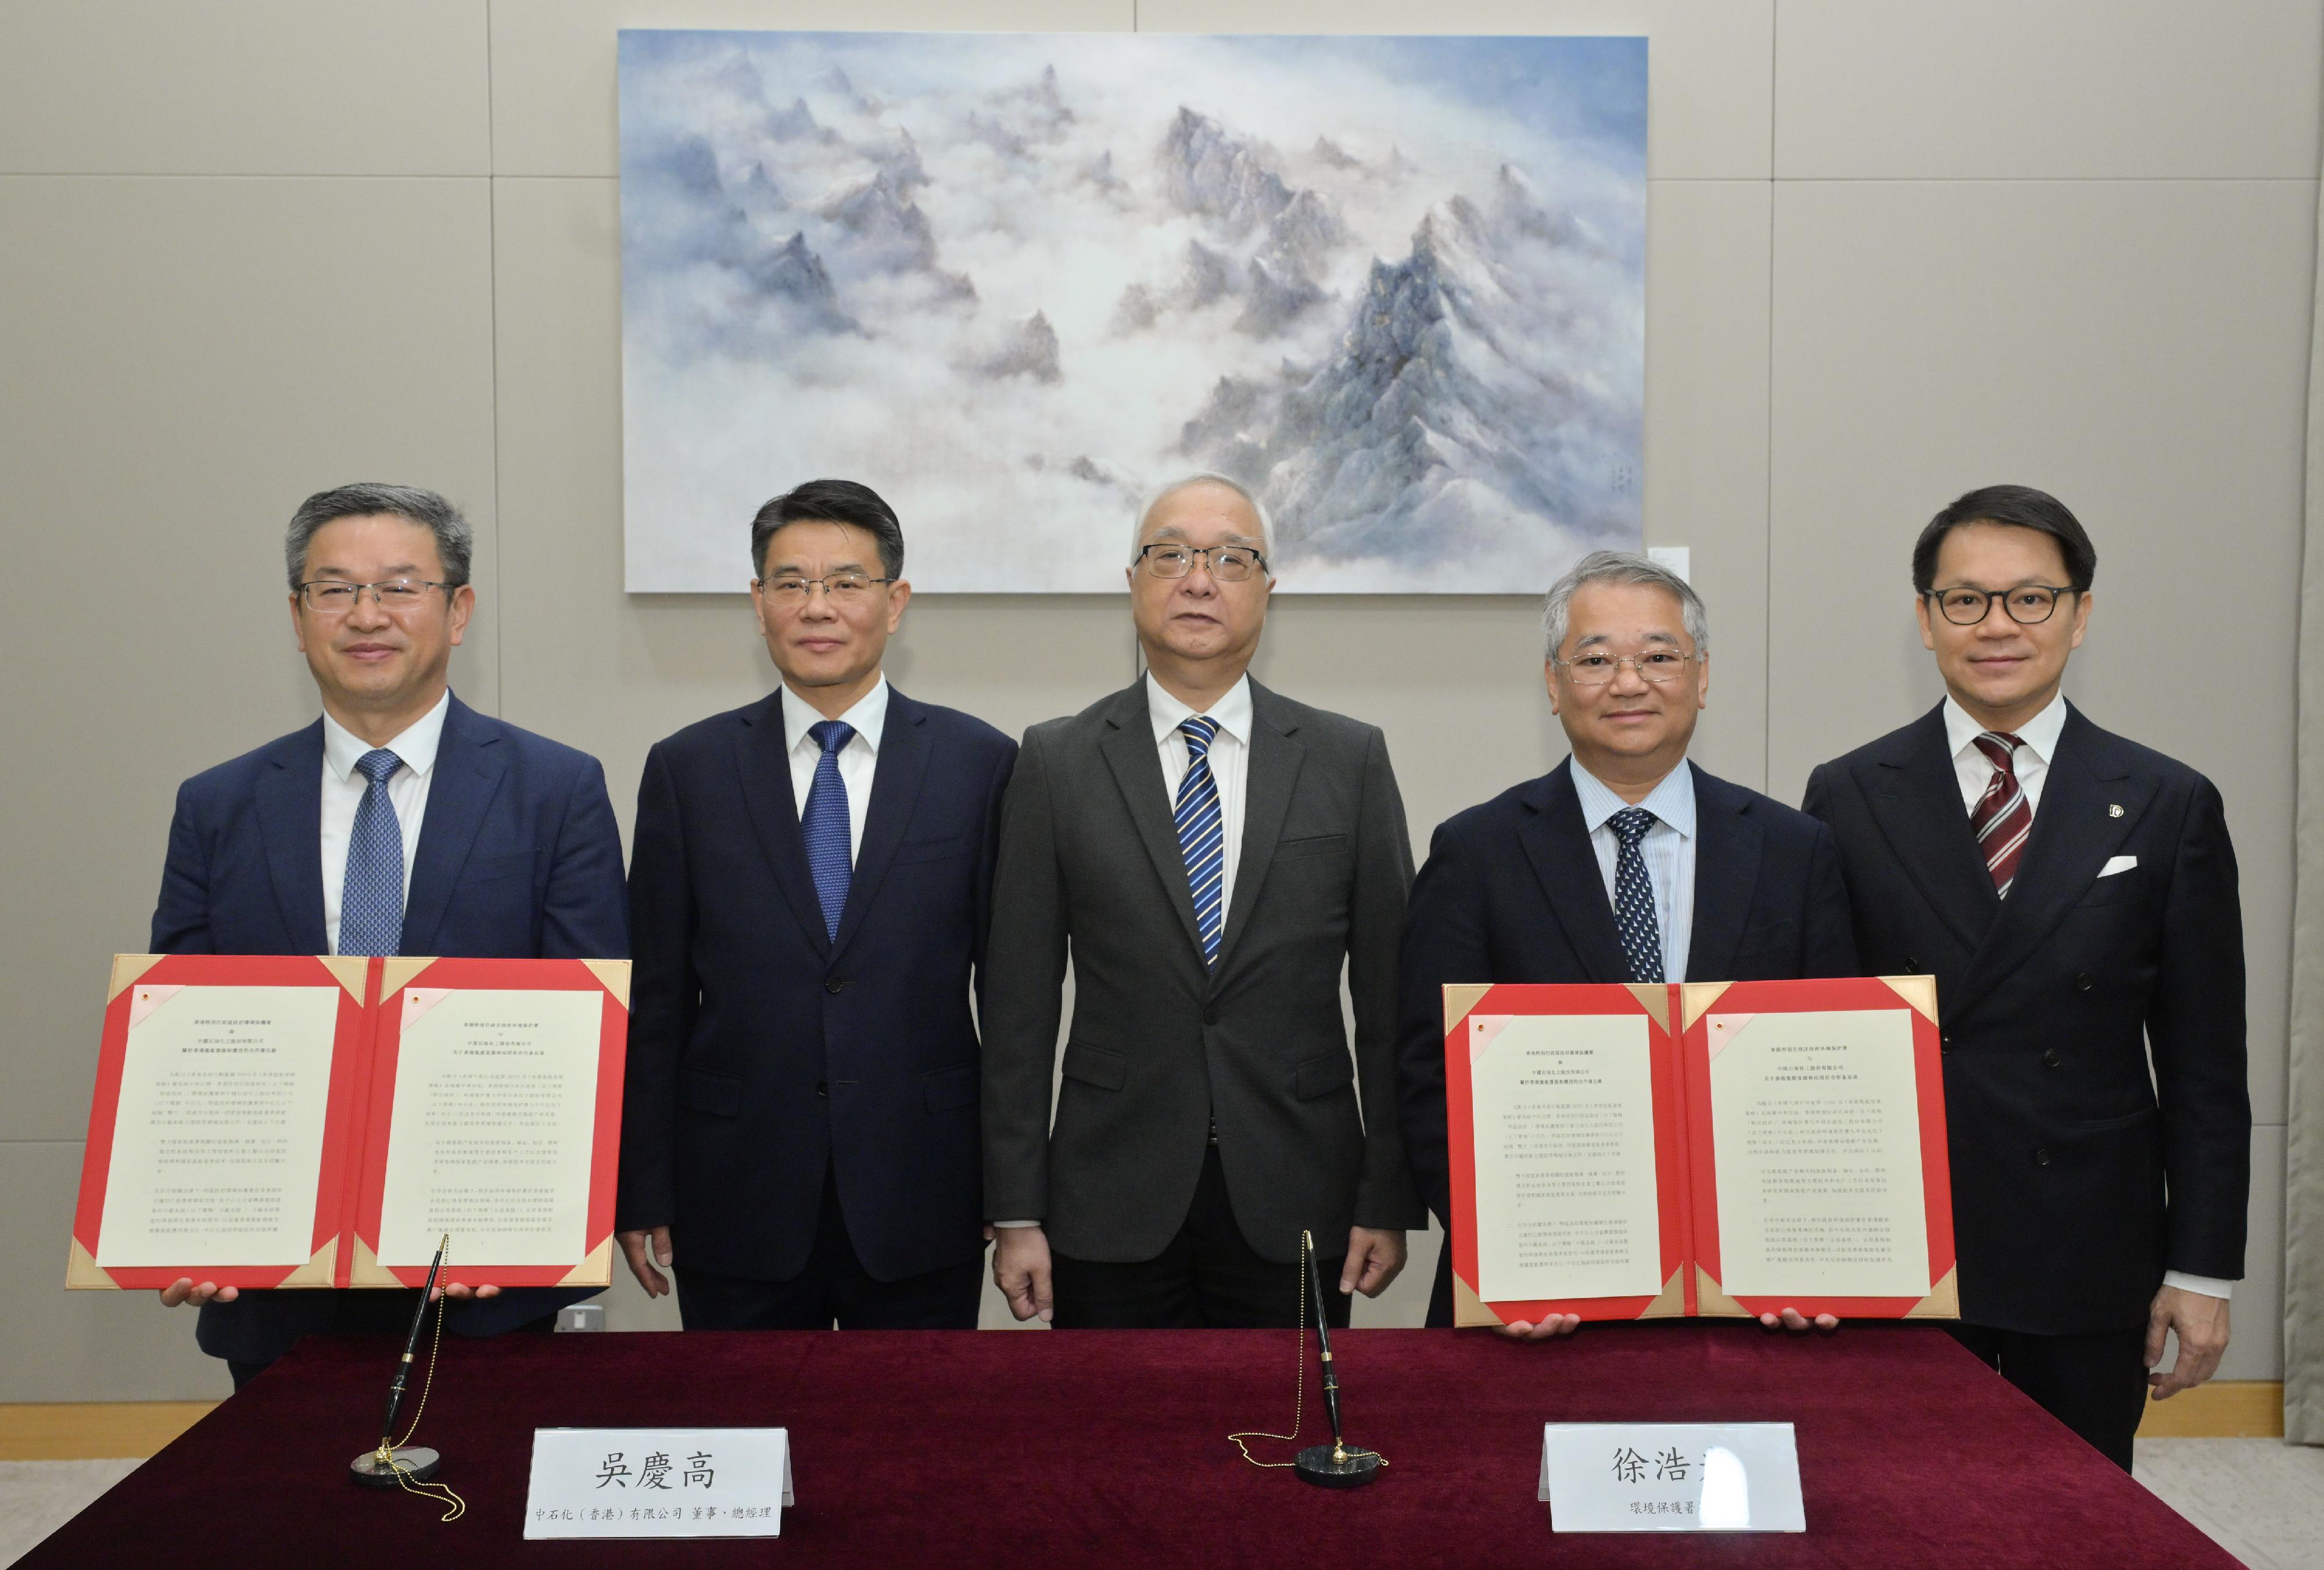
[1228,563]
[332,597]
[2029,605]
[1660,666]
[841,588]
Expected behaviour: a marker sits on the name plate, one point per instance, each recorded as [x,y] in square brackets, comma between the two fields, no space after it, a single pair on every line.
[658,1482]
[1670,1477]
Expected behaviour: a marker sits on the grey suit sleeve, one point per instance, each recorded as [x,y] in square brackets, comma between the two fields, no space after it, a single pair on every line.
[1024,973]
[1385,1196]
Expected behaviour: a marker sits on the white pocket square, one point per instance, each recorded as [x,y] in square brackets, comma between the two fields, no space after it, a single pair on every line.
[2118,864]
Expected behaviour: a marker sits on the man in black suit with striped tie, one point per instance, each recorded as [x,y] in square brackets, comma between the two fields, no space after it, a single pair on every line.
[2074,894]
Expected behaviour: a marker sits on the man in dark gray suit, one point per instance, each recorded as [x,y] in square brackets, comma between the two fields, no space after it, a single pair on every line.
[1213,854]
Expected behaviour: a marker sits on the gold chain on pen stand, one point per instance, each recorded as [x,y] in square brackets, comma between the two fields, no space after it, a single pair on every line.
[435,1491]
[1299,1385]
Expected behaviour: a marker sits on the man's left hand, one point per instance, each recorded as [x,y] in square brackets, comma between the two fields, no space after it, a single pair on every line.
[1374,1259]
[1793,1319]
[2201,1322]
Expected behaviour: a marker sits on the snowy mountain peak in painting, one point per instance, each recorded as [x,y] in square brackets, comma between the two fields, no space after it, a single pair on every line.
[1014,282]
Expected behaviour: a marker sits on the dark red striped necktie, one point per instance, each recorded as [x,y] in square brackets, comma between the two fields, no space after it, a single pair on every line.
[2002,817]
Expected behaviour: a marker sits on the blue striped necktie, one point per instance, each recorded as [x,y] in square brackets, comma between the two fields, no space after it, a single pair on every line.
[824,824]
[371,900]
[1634,896]
[1201,834]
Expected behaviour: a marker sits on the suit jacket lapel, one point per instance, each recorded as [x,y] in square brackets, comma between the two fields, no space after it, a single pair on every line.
[1557,843]
[1915,796]
[469,767]
[290,824]
[764,764]
[1726,872]
[2075,831]
[1137,764]
[903,763]
[1271,775]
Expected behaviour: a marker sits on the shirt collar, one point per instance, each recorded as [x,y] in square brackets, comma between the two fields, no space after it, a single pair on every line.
[867,718]
[415,744]
[2039,734]
[1232,711]
[1671,800]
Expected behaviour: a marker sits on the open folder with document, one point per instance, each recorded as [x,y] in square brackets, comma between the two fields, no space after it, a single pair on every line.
[1636,1152]
[304,1120]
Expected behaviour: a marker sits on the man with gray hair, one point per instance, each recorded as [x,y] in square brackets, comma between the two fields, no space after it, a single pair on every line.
[402,821]
[1214,856]
[1624,864]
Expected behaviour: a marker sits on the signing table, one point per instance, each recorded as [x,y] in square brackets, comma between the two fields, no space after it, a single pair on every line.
[1110,1448]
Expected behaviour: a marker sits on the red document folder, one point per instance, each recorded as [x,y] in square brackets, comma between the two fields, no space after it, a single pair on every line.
[1840,1092]
[249,1139]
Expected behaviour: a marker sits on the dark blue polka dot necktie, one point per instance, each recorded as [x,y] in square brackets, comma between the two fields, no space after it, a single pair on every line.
[1634,896]
[824,824]
[371,900]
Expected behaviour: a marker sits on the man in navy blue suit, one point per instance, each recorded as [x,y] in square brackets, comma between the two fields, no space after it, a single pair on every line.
[809,893]
[1624,864]
[400,822]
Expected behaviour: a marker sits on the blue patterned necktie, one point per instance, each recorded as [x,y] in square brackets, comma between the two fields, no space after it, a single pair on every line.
[370,900]
[1203,835]
[824,824]
[1634,896]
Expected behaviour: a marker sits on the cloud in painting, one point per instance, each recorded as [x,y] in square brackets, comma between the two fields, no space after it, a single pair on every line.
[1015,281]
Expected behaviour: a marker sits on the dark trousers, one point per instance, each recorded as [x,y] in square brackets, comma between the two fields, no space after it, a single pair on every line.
[2094,1384]
[834,1288]
[376,1311]
[1208,1278]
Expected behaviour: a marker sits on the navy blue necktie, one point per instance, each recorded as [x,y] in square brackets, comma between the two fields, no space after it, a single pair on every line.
[1634,896]
[824,824]
[371,900]
[1201,834]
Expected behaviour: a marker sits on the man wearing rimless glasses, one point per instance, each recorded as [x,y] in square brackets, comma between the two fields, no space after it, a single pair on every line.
[2075,896]
[400,822]
[1625,863]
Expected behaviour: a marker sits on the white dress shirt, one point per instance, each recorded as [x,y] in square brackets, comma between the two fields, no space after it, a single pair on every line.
[2032,763]
[859,759]
[344,790]
[1230,760]
[1667,849]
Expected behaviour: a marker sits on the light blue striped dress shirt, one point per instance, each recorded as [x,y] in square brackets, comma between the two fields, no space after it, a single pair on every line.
[1667,849]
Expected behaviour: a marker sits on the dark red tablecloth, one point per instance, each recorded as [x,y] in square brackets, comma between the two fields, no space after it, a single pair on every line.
[1037,1450]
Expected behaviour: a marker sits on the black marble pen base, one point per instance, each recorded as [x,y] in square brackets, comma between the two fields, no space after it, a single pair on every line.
[1353,1469]
[417,1464]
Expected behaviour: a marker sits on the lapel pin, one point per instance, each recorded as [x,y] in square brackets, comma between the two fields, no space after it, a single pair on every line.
[2114,809]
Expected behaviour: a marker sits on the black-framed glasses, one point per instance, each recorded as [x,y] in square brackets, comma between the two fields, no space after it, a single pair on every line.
[331,597]
[2029,605]
[841,588]
[1228,563]
[1660,666]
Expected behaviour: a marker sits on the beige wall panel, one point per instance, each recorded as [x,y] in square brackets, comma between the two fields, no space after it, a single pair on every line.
[2138,348]
[2256,1351]
[193,357]
[553,99]
[260,87]
[1709,64]
[2002,90]
[82,1346]
[1707,301]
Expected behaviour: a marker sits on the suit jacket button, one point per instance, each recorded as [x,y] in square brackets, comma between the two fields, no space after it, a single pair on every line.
[1944,1043]
[1210,1016]
[2051,1058]
[823,1089]
[2041,1157]
[1911,965]
[835,984]
[2084,982]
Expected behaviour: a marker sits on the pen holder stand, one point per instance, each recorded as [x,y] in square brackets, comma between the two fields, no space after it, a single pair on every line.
[1336,1466]
[416,1464]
